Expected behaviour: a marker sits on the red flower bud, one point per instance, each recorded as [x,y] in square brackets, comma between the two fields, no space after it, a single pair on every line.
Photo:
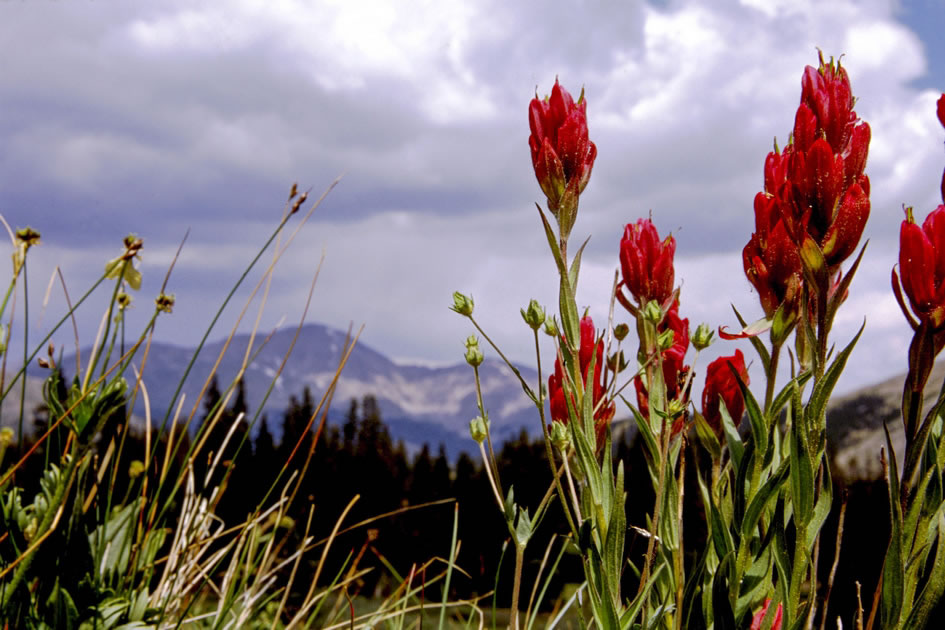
[562,154]
[760,617]
[922,267]
[647,262]
[604,410]
[721,384]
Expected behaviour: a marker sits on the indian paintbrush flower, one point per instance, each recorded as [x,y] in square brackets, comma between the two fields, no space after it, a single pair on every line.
[721,385]
[591,347]
[562,154]
[922,268]
[646,263]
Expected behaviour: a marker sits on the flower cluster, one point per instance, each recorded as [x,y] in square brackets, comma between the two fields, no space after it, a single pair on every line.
[814,189]
[562,154]
[592,348]
[922,262]
[646,263]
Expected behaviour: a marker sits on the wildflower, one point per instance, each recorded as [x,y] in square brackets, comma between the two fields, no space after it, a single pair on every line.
[591,347]
[759,617]
[816,186]
[922,268]
[721,385]
[646,263]
[562,154]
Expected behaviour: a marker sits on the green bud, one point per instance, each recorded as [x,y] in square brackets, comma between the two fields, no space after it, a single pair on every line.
[135,469]
[702,338]
[559,435]
[6,436]
[551,327]
[616,362]
[473,353]
[652,312]
[666,339]
[534,315]
[621,331]
[474,356]
[478,429]
[676,407]
[462,304]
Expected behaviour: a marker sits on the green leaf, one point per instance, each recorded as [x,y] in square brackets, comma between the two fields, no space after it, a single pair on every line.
[576,265]
[707,436]
[735,445]
[893,568]
[802,475]
[784,396]
[767,492]
[822,390]
[721,605]
[111,541]
[821,508]
[934,587]
[759,428]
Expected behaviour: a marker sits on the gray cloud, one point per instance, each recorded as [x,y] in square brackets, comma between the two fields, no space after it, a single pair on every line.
[155,118]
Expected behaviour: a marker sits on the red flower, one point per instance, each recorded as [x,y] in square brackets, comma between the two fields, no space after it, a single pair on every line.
[562,154]
[760,616]
[922,267]
[647,262]
[674,371]
[815,187]
[721,384]
[603,409]
[771,259]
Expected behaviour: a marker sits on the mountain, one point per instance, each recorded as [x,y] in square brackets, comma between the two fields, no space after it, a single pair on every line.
[420,404]
[434,404]
[855,425]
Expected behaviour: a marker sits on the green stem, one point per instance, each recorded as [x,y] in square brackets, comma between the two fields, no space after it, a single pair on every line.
[798,572]
[517,585]
[514,369]
[485,420]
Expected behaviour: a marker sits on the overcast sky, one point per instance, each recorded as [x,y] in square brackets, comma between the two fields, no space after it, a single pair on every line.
[153,118]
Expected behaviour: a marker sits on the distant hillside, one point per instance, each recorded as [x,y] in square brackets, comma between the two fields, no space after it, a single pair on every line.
[420,404]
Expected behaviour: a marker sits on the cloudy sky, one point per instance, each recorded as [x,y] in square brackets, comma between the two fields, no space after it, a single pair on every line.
[156,118]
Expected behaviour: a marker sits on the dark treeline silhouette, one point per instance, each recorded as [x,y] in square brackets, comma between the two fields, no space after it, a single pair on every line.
[360,459]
